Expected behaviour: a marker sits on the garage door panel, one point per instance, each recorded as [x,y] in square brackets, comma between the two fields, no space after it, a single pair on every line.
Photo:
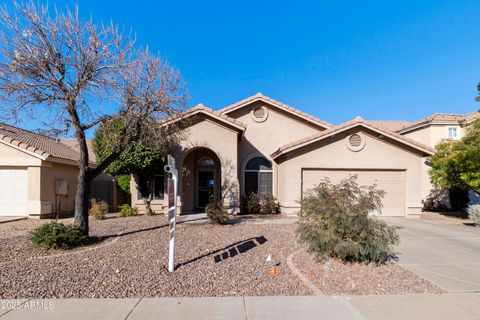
[391,181]
[13,192]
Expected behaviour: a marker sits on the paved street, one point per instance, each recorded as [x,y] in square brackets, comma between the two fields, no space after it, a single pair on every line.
[446,306]
[447,255]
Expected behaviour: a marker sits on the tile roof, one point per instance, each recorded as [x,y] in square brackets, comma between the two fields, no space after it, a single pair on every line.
[201,108]
[357,121]
[389,125]
[73,144]
[34,142]
[281,105]
[454,117]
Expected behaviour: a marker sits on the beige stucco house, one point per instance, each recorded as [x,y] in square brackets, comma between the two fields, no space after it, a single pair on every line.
[38,174]
[263,146]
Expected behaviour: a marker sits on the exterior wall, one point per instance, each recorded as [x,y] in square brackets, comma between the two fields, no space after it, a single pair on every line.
[333,153]
[422,135]
[263,138]
[203,132]
[49,174]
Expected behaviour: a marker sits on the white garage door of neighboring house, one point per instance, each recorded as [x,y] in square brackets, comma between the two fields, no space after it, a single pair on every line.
[13,192]
[391,181]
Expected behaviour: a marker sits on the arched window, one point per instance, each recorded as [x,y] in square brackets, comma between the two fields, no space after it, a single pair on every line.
[258,176]
[205,162]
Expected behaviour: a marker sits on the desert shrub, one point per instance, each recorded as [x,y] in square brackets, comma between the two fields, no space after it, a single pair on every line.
[98,209]
[458,198]
[335,222]
[58,236]
[436,201]
[258,204]
[128,211]
[269,205]
[216,212]
[474,214]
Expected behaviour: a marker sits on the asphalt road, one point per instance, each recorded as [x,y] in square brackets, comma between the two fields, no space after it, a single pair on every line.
[445,254]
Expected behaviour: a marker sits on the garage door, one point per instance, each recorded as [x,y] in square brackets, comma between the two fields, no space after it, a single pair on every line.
[13,192]
[390,181]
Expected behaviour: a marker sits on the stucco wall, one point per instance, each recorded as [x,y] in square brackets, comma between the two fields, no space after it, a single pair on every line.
[333,153]
[52,172]
[263,138]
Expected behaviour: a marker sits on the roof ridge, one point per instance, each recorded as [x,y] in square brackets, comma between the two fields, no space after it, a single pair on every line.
[277,103]
[357,120]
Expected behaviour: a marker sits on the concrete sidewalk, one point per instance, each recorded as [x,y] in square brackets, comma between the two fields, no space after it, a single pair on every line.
[428,306]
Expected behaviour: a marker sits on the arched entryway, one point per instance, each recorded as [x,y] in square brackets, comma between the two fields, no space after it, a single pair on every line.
[201,177]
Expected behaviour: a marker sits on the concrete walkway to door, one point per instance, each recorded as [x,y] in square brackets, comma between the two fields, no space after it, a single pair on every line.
[444,254]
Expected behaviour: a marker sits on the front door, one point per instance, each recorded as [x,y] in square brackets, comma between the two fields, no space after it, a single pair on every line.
[206,188]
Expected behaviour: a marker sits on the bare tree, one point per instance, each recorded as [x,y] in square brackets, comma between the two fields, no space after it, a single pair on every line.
[61,69]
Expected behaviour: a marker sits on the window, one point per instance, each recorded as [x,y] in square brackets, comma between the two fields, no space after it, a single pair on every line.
[258,176]
[205,162]
[452,133]
[157,187]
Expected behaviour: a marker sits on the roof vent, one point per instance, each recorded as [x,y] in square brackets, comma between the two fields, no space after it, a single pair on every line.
[259,114]
[355,142]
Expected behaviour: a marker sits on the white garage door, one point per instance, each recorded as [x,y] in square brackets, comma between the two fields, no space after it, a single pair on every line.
[13,192]
[390,181]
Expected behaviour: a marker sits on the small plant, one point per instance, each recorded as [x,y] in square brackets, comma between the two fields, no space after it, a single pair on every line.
[259,204]
[216,212]
[98,209]
[269,204]
[58,236]
[335,222]
[128,211]
[474,214]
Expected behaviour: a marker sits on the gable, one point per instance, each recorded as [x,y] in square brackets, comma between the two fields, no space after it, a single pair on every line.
[14,156]
[275,128]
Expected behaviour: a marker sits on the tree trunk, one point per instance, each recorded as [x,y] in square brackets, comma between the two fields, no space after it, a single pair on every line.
[148,200]
[82,197]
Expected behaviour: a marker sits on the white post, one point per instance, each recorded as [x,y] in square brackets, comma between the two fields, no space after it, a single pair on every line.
[172,210]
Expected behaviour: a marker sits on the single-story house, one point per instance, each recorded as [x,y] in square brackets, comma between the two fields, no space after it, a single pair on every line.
[260,145]
[38,174]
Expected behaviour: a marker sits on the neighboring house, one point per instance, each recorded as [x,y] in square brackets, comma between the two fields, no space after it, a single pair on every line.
[38,174]
[260,145]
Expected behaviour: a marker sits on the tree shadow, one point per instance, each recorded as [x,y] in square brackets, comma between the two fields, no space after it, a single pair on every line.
[229,251]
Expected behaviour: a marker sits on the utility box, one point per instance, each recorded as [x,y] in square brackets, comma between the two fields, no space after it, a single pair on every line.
[61,187]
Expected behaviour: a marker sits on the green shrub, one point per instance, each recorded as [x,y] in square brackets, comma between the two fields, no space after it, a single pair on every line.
[459,198]
[124,183]
[98,209]
[259,204]
[216,212]
[474,214]
[58,236]
[128,211]
[335,222]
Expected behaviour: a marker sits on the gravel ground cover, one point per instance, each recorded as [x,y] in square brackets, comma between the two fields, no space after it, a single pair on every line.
[227,260]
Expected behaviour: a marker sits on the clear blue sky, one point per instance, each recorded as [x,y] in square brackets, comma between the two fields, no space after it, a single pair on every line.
[334,59]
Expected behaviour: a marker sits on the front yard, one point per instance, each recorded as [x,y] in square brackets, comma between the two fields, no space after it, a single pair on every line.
[129,260]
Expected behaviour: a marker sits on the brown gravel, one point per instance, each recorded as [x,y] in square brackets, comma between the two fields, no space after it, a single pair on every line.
[224,260]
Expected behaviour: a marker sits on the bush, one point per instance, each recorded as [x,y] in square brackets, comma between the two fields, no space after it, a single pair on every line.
[58,236]
[124,183]
[216,212]
[128,211]
[458,198]
[98,209]
[259,204]
[474,214]
[335,222]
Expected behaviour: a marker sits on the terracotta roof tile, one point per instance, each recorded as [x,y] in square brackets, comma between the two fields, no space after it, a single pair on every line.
[36,143]
[357,120]
[389,125]
[277,103]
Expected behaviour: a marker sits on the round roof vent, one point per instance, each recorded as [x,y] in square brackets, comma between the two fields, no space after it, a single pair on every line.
[259,114]
[355,142]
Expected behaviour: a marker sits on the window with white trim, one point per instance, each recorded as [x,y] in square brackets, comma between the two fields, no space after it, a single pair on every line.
[155,185]
[258,176]
[453,133]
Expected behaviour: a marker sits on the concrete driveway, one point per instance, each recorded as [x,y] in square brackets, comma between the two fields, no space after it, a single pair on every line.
[447,255]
